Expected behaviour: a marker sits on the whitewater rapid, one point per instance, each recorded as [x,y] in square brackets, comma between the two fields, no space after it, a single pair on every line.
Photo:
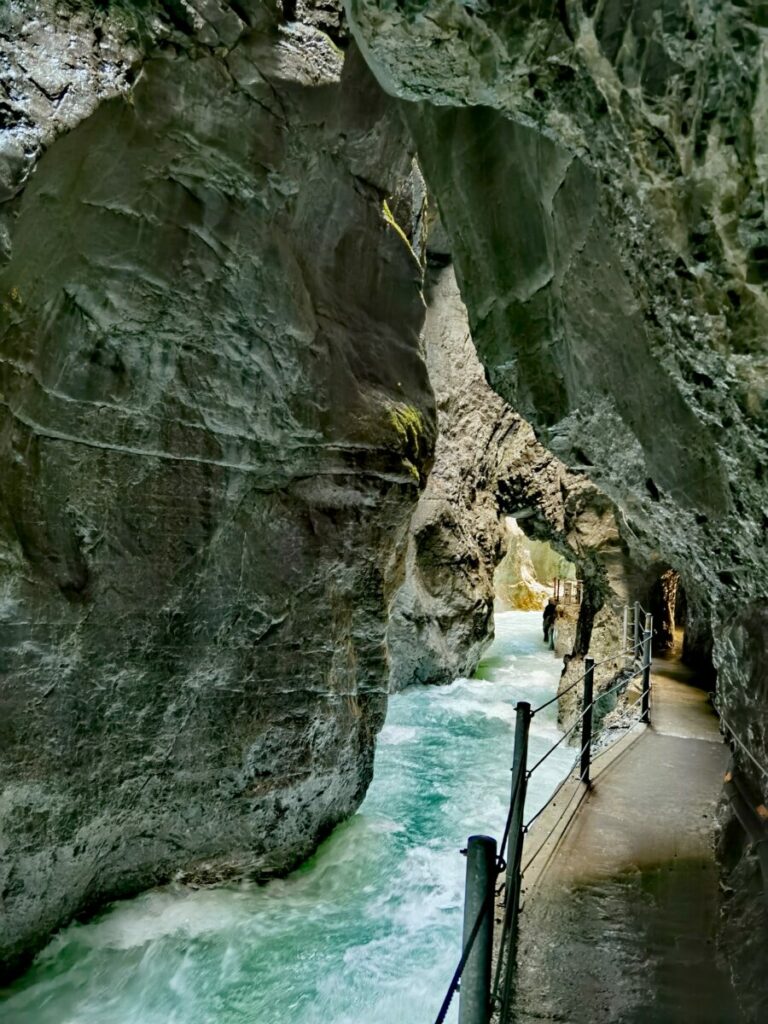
[370,928]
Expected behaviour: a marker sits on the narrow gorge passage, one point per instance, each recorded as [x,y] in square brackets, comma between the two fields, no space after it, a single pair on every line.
[299,299]
[370,928]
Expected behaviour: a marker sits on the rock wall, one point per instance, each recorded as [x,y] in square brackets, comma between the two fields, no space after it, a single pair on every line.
[600,167]
[488,464]
[206,306]
[442,617]
[216,420]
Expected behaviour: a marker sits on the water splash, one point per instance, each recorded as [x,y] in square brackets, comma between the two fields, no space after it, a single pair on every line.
[370,928]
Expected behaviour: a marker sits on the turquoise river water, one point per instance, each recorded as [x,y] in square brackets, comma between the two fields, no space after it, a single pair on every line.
[370,928]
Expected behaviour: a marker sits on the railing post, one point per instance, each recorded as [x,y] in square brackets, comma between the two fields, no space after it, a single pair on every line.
[586,719]
[625,631]
[475,990]
[645,715]
[636,641]
[519,786]
[515,845]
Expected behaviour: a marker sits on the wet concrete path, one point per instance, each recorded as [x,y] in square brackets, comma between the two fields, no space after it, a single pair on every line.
[618,928]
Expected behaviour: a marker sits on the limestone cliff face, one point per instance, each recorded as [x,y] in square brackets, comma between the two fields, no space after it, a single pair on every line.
[442,617]
[601,172]
[488,464]
[215,421]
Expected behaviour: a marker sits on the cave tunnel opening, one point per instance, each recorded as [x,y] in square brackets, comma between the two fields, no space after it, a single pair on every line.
[681,630]
[667,604]
[524,578]
[537,566]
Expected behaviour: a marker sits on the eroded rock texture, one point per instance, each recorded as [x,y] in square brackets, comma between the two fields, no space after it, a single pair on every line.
[600,167]
[488,464]
[215,422]
[442,617]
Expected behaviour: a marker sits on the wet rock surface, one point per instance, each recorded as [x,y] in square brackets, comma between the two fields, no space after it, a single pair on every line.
[488,464]
[57,63]
[600,171]
[442,618]
[215,421]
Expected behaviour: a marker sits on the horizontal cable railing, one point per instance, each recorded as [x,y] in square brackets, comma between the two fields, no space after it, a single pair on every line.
[474,1008]
[623,683]
[453,988]
[738,741]
[638,721]
[483,992]
[624,652]
[577,790]
[470,939]
[554,746]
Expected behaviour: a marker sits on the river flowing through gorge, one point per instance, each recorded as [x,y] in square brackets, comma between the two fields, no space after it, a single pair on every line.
[368,929]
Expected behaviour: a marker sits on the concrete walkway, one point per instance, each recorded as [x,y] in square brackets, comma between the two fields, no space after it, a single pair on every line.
[619,917]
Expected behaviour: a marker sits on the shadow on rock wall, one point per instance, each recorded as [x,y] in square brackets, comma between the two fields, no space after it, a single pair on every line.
[216,419]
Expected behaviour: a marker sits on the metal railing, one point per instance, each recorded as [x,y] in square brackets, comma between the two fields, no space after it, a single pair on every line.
[751,815]
[635,619]
[567,591]
[478,998]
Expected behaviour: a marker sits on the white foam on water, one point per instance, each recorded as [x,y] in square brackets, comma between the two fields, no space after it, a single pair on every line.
[370,929]
[394,735]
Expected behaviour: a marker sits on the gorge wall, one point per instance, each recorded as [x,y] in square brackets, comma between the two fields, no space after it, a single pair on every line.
[600,167]
[216,420]
[207,306]
[442,617]
[488,464]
